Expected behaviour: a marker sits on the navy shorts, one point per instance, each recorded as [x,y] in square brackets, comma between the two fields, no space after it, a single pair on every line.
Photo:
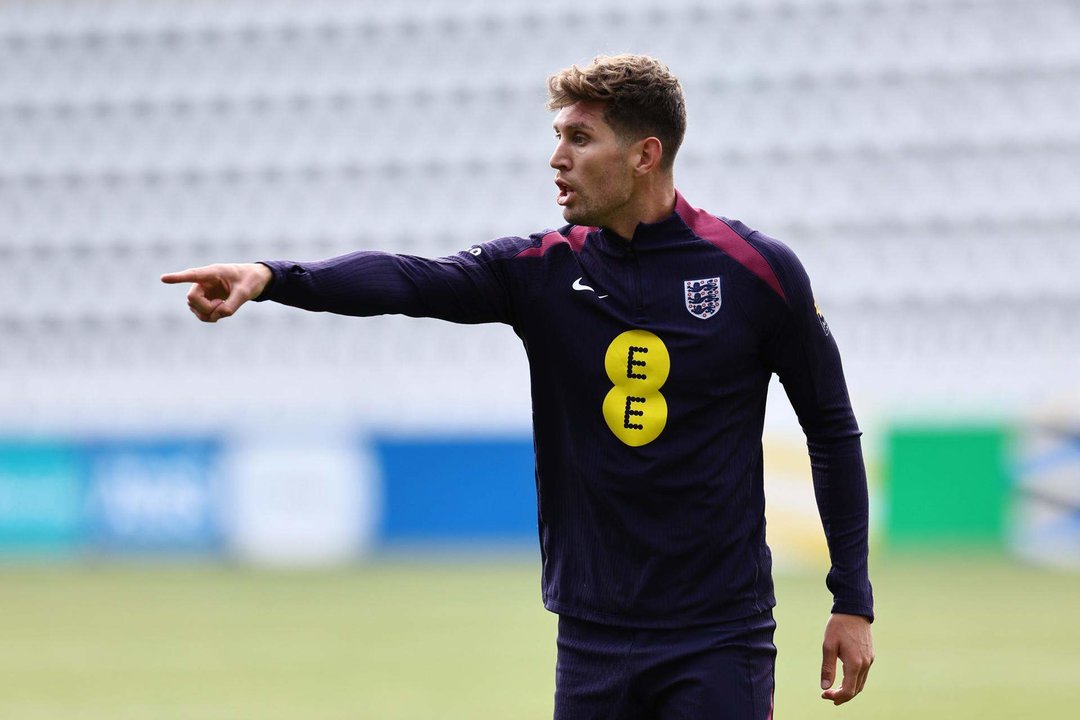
[711,672]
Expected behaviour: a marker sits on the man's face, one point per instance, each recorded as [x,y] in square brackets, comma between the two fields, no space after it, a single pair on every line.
[595,171]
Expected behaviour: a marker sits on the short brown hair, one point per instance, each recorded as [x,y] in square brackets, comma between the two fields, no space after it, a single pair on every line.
[642,97]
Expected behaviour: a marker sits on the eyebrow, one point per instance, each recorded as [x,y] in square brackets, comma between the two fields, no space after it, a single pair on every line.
[579,125]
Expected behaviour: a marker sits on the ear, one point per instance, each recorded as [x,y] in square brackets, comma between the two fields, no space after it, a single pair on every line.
[647,156]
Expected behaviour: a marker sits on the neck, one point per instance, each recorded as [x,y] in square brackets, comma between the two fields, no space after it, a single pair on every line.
[653,204]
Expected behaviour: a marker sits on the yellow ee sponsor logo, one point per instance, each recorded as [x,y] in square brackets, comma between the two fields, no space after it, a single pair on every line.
[638,364]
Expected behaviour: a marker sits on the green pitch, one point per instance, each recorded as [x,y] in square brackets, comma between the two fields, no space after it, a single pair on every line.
[957,638]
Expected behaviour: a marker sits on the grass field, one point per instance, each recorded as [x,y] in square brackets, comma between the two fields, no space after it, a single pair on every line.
[956,638]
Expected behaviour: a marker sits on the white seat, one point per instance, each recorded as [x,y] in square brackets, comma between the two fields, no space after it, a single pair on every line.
[931,175]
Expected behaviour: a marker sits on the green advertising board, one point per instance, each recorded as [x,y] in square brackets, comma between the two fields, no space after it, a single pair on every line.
[947,487]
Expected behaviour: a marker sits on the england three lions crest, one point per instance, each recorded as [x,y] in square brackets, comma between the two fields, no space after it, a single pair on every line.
[702,297]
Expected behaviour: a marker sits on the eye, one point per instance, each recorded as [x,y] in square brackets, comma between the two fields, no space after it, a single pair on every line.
[580,139]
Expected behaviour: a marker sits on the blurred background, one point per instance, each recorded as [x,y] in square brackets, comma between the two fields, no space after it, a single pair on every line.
[299,515]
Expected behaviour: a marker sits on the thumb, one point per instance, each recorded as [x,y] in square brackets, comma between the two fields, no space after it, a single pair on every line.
[238,295]
[226,308]
[828,665]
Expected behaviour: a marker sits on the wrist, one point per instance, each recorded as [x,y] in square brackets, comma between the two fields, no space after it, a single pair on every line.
[262,276]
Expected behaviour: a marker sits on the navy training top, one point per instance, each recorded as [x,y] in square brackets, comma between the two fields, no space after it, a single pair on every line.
[649,362]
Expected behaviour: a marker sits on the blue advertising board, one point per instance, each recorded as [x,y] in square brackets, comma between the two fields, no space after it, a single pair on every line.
[154,496]
[456,489]
[41,497]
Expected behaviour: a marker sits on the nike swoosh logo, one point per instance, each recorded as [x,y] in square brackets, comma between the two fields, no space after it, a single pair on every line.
[578,285]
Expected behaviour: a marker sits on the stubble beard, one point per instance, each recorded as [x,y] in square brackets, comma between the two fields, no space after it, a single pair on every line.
[577,216]
[587,214]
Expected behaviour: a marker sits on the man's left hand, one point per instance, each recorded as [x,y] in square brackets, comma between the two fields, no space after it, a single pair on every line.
[848,638]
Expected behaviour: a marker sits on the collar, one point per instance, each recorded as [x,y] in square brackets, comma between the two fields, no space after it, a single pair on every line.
[650,236]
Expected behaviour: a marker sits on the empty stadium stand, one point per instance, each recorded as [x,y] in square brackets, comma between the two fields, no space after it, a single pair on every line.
[922,158]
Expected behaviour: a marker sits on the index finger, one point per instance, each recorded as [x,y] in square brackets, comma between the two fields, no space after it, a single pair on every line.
[850,686]
[189,275]
[848,689]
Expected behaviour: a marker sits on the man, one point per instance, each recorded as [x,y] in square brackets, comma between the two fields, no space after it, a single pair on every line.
[652,330]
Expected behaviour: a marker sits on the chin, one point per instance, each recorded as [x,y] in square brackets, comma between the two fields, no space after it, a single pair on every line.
[576,216]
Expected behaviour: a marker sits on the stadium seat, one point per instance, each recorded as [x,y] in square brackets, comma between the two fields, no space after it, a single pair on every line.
[926,173]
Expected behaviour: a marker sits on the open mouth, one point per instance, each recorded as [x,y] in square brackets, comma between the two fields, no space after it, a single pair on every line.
[566,193]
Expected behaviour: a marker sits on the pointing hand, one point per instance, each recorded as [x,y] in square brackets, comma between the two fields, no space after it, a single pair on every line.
[218,291]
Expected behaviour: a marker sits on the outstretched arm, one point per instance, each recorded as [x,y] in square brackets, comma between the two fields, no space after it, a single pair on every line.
[464,288]
[218,291]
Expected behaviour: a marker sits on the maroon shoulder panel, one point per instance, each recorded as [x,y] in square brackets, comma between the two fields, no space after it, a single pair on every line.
[576,240]
[719,234]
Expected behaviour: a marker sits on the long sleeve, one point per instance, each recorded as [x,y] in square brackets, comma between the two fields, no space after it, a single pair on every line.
[469,287]
[803,353]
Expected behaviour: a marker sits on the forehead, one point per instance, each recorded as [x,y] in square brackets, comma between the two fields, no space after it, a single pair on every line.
[588,115]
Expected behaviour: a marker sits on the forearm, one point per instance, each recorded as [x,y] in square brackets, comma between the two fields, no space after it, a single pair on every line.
[368,283]
[361,283]
[843,502]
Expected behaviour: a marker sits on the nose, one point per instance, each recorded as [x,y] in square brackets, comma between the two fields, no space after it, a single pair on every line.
[559,160]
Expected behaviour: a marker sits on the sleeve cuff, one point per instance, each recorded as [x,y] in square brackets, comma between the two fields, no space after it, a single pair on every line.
[845,608]
[275,273]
